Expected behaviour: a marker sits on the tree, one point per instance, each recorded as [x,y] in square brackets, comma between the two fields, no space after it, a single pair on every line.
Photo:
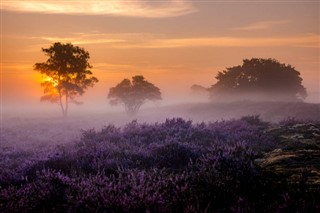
[267,79]
[198,89]
[132,94]
[199,93]
[66,74]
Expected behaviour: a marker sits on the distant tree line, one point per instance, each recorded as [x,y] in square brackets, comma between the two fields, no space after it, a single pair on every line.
[67,76]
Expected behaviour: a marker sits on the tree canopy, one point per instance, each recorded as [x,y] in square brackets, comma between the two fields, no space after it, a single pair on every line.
[264,78]
[198,89]
[133,94]
[66,74]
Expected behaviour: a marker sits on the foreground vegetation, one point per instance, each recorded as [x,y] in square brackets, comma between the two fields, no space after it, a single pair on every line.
[243,165]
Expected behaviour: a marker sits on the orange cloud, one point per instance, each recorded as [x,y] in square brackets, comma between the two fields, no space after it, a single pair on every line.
[262,25]
[137,8]
[308,41]
[130,41]
[15,67]
[80,40]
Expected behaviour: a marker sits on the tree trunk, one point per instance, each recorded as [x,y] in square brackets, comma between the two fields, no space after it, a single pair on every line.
[61,105]
[64,110]
[67,104]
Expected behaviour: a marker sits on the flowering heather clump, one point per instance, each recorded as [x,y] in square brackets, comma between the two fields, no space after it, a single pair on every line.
[174,166]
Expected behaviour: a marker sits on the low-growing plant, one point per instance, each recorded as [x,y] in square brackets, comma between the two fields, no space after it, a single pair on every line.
[174,166]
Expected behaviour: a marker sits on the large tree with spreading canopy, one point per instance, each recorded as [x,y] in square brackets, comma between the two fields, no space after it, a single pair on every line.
[66,74]
[260,78]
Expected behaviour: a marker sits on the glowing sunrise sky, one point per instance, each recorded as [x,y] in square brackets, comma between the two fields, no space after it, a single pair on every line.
[174,44]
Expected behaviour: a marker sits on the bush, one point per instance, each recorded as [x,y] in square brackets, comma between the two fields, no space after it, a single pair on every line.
[175,166]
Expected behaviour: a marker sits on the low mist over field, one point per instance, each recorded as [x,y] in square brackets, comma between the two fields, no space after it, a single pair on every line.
[42,129]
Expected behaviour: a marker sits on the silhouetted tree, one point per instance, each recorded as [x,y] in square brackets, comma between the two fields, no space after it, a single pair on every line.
[132,94]
[198,89]
[265,78]
[66,74]
[199,93]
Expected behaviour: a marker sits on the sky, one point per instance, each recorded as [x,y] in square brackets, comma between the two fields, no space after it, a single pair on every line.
[172,43]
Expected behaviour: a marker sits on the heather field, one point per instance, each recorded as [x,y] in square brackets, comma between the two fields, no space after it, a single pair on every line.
[160,106]
[196,162]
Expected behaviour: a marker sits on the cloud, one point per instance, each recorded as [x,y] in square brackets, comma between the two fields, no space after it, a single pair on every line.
[80,40]
[136,8]
[158,41]
[112,40]
[308,41]
[112,68]
[262,25]
[11,67]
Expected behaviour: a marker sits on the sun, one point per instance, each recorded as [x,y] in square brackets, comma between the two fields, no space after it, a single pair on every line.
[46,78]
